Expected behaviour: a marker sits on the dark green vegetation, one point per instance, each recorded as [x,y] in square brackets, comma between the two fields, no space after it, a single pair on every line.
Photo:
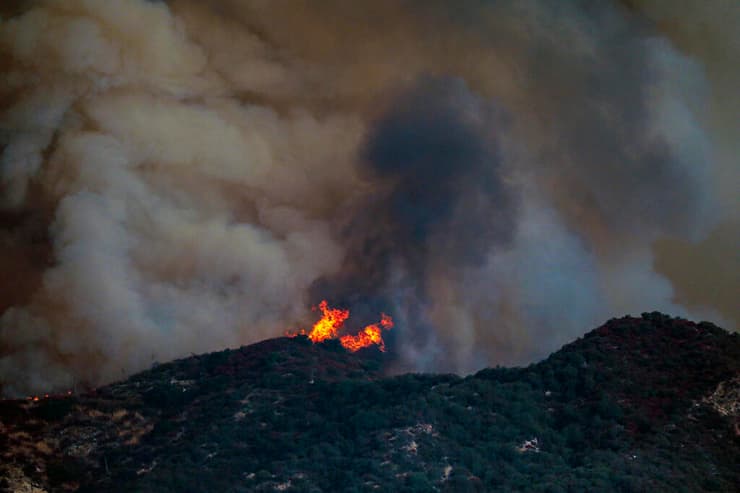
[632,406]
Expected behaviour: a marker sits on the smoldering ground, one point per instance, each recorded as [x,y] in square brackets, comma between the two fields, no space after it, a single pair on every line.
[183,176]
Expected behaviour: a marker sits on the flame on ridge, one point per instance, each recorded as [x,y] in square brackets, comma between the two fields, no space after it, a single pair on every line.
[331,324]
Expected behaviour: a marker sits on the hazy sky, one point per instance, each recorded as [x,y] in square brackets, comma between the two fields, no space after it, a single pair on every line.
[499,176]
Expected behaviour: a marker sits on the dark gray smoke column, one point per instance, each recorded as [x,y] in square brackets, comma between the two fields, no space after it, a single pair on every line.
[439,199]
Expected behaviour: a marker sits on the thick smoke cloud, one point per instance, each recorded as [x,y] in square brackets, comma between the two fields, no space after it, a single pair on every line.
[705,272]
[183,176]
[437,149]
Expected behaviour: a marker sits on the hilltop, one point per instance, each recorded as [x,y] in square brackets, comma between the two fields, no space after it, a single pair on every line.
[638,404]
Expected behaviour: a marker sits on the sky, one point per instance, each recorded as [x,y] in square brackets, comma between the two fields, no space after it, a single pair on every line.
[499,176]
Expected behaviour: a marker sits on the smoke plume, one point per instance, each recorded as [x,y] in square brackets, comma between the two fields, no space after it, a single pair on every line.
[184,176]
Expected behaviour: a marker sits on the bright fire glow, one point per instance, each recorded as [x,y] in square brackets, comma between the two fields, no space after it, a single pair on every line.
[369,335]
[332,322]
[328,326]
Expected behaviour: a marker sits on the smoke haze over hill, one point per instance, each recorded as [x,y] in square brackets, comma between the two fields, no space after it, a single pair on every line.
[183,176]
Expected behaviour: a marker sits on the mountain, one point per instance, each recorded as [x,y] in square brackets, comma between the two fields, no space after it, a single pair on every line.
[638,404]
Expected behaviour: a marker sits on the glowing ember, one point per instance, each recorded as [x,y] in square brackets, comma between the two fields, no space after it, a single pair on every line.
[332,322]
[37,398]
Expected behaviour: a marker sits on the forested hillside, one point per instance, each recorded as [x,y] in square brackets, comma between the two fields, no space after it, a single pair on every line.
[639,404]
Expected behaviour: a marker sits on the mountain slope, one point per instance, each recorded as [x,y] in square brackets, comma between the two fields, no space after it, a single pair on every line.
[638,404]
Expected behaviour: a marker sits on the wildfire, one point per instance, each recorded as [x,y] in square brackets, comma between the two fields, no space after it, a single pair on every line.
[332,322]
[369,335]
[37,398]
[328,326]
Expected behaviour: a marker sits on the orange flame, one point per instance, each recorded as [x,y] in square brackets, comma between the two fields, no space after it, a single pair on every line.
[332,322]
[369,335]
[328,326]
